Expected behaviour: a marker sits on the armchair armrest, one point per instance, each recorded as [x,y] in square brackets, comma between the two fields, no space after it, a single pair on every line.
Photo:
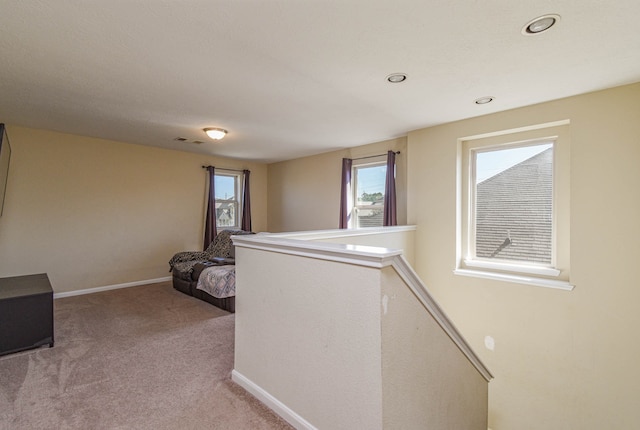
[198,268]
[222,261]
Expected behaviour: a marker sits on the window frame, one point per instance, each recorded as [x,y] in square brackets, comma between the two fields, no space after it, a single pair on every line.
[237,200]
[556,273]
[353,219]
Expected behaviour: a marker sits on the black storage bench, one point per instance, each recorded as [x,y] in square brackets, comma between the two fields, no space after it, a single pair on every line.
[26,313]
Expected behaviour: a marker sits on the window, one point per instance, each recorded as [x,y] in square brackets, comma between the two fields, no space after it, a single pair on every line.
[369,182]
[228,192]
[512,204]
[514,207]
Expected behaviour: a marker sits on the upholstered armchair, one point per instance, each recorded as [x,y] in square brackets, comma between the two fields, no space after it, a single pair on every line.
[221,247]
[188,265]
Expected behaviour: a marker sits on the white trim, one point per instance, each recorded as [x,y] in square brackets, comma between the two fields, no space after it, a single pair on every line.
[516,130]
[360,255]
[274,404]
[355,168]
[237,186]
[109,287]
[413,281]
[520,268]
[517,279]
[535,275]
[332,234]
[548,142]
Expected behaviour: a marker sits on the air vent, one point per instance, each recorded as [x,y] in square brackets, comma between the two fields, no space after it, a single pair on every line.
[197,141]
[181,139]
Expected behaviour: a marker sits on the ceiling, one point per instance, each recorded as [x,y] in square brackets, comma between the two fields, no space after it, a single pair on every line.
[290,78]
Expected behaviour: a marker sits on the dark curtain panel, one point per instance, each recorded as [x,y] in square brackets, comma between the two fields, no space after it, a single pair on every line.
[345,192]
[246,203]
[390,217]
[210,231]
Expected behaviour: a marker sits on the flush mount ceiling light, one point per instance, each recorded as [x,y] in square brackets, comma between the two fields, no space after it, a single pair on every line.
[215,133]
[483,100]
[396,78]
[540,24]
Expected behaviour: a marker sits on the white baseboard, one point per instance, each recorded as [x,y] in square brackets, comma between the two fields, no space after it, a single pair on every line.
[276,405]
[109,287]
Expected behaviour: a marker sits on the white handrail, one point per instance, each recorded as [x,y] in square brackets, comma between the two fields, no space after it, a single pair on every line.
[416,285]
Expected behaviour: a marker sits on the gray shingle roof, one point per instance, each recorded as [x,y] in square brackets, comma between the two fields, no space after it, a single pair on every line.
[514,212]
[373,219]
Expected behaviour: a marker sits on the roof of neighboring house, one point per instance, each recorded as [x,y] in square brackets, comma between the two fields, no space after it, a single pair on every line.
[373,219]
[514,212]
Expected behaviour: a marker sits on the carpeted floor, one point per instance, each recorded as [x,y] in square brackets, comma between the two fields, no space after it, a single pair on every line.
[145,357]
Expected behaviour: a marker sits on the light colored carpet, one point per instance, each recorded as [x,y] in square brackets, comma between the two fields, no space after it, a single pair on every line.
[145,357]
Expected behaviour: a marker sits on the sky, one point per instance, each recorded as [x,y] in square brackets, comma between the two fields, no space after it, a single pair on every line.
[491,163]
[224,187]
[371,180]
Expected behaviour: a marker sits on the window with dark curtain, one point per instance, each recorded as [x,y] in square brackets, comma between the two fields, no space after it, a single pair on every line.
[210,231]
[390,210]
[246,203]
[345,193]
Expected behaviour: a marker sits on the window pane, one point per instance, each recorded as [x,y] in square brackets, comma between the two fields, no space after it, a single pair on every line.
[513,211]
[370,182]
[226,213]
[225,187]
[369,199]
[227,205]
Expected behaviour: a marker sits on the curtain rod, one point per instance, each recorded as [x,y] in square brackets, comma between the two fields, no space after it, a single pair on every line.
[373,156]
[223,168]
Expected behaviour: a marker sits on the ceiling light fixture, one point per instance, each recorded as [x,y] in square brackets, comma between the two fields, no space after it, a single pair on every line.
[396,78]
[483,100]
[540,24]
[215,133]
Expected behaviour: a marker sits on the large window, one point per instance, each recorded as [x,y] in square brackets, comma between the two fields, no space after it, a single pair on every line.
[228,192]
[514,207]
[369,181]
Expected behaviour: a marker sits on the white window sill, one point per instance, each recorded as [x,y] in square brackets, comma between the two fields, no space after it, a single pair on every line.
[517,279]
[511,267]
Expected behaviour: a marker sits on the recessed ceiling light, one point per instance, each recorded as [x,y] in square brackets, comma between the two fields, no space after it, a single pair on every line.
[215,133]
[540,24]
[483,100]
[396,78]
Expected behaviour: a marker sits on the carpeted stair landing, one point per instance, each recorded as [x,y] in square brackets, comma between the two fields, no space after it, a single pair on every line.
[144,357]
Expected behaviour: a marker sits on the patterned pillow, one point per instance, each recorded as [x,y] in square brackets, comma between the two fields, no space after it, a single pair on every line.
[222,245]
[186,256]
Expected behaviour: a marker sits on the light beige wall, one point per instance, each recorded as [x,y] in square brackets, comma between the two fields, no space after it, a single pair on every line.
[304,194]
[93,213]
[323,327]
[426,381]
[562,360]
[308,333]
